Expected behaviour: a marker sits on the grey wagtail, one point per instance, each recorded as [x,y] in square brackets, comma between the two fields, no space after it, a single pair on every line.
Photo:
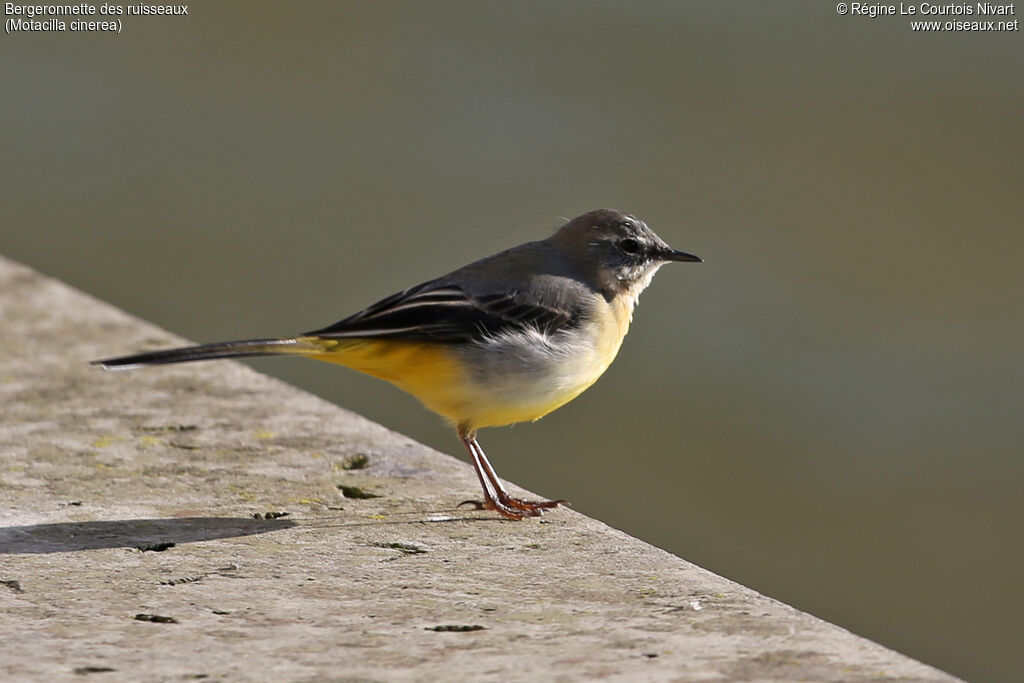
[506,339]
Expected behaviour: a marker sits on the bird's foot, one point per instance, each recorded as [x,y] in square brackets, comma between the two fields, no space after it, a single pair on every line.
[514,508]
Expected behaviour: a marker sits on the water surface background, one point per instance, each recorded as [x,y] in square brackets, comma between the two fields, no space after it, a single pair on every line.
[828,410]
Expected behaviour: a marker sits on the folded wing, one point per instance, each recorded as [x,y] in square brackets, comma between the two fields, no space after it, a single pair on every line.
[441,312]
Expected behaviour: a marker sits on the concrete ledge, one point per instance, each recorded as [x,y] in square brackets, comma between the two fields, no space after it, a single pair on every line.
[100,472]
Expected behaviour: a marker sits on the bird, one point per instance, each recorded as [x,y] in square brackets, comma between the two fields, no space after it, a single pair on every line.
[505,339]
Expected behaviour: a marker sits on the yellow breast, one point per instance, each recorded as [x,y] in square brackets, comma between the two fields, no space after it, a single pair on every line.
[525,378]
[512,378]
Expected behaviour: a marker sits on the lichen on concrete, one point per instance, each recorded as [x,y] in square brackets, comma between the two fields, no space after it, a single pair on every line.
[142,538]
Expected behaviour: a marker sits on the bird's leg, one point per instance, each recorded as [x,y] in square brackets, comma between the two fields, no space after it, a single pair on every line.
[533,506]
[489,492]
[492,498]
[495,495]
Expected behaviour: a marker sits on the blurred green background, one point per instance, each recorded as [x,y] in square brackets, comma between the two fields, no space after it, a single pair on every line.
[828,410]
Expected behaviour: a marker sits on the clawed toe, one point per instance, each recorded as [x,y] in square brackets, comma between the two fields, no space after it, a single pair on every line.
[524,504]
[495,496]
[514,508]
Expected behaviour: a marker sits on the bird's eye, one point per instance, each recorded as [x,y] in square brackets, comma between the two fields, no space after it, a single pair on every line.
[629,245]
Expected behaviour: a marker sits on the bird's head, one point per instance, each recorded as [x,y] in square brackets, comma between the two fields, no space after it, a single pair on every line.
[617,251]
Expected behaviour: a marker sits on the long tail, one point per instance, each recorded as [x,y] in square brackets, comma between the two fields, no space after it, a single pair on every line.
[302,346]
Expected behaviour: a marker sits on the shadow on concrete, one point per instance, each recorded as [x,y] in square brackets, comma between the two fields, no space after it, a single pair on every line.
[148,534]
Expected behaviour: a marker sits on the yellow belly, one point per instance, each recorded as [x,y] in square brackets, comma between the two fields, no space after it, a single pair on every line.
[507,390]
[501,382]
[427,371]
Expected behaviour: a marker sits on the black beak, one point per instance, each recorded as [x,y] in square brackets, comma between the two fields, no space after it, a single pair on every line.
[676,255]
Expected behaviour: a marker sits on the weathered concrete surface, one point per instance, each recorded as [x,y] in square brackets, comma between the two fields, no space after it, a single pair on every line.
[94,465]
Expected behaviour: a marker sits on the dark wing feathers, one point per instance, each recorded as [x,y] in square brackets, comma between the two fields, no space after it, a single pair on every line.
[515,312]
[440,312]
